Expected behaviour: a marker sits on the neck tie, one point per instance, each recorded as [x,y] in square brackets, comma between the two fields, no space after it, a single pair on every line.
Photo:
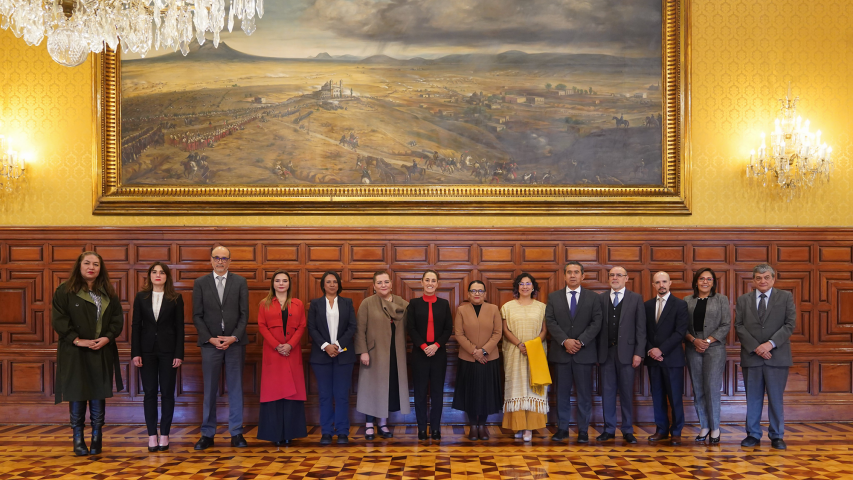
[762,306]
[660,309]
[574,304]
[220,288]
[615,298]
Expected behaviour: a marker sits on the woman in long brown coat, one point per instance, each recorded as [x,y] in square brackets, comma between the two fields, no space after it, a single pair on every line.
[380,340]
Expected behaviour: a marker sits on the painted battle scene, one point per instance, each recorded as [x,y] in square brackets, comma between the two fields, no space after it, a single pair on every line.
[424,92]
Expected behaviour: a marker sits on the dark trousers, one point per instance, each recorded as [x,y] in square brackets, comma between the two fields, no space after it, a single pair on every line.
[157,371]
[617,378]
[581,375]
[667,385]
[428,374]
[333,384]
[759,380]
[212,361]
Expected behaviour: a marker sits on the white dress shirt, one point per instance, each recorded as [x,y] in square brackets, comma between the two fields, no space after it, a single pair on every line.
[613,295]
[156,303]
[333,316]
[766,304]
[569,301]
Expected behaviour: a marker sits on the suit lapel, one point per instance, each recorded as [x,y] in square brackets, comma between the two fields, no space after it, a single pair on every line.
[148,306]
[565,303]
[774,297]
[754,304]
[667,308]
[211,279]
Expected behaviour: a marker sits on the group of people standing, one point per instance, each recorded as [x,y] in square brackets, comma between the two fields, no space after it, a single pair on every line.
[616,330]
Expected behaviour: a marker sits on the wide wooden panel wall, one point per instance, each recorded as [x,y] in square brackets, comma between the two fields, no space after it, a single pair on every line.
[816,265]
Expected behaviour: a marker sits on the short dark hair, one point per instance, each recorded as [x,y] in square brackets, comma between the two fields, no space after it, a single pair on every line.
[337,277]
[696,281]
[572,262]
[518,280]
[472,282]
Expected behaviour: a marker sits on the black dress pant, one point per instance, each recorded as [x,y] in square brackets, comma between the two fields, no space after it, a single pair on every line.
[157,370]
[428,375]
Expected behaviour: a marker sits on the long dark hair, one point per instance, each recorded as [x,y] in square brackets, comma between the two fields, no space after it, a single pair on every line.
[696,282]
[76,282]
[271,295]
[518,280]
[168,289]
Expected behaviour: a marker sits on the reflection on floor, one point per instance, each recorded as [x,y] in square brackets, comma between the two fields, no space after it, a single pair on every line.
[815,451]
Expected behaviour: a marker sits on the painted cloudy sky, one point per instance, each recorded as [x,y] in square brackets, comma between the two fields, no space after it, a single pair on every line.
[431,28]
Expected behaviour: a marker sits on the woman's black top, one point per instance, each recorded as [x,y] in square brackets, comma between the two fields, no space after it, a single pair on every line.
[699,314]
[477,308]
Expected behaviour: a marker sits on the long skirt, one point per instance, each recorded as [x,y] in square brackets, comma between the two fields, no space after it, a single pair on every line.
[282,420]
[478,388]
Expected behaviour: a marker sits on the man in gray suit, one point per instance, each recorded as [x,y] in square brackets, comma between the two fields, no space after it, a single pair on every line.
[220,314]
[764,321]
[621,348]
[573,317]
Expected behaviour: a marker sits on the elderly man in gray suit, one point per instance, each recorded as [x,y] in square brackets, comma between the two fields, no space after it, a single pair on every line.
[764,321]
[573,317]
[621,348]
[220,314]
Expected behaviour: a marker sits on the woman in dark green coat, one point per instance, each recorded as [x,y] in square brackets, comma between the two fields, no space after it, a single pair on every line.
[87,317]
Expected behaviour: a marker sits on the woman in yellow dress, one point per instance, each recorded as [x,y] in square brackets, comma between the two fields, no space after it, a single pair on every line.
[523,320]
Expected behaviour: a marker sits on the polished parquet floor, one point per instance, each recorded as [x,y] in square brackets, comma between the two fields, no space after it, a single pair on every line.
[815,451]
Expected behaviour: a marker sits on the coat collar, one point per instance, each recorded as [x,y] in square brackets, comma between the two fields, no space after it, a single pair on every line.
[105,299]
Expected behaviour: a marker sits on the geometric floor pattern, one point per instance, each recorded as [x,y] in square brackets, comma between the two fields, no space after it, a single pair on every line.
[815,451]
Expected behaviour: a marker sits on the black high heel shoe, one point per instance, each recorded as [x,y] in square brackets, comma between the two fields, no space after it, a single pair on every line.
[715,441]
[701,438]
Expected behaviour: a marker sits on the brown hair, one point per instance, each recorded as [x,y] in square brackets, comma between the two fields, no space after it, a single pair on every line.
[168,289]
[267,301]
[76,282]
[380,272]
[437,276]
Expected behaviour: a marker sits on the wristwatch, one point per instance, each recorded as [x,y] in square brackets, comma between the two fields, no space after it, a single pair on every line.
[709,342]
[485,353]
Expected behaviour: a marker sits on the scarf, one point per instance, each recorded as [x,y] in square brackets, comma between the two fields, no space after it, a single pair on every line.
[430,335]
[540,377]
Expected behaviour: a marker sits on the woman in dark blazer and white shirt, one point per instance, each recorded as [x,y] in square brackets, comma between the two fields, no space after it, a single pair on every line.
[157,348]
[430,325]
[332,325]
[710,317]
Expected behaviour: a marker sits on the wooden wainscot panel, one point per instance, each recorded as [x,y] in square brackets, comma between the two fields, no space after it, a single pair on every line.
[582,253]
[752,254]
[624,253]
[14,306]
[26,253]
[153,253]
[799,379]
[539,254]
[667,254]
[26,377]
[325,253]
[367,253]
[35,279]
[280,253]
[195,253]
[411,254]
[497,253]
[448,254]
[836,377]
[65,253]
[835,254]
[793,253]
[709,253]
[113,253]
[190,378]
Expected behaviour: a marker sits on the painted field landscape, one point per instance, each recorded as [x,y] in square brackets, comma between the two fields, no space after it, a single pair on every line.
[357,98]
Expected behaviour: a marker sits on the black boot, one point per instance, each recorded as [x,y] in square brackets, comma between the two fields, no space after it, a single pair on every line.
[78,419]
[96,414]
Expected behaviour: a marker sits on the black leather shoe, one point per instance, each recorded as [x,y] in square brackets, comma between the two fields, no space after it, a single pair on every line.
[474,433]
[583,437]
[605,437]
[778,444]
[701,438]
[386,433]
[560,435]
[203,443]
[238,441]
[343,439]
[154,448]
[435,434]
[78,417]
[658,435]
[750,442]
[371,435]
[714,441]
[325,439]
[422,435]
[162,448]
[629,438]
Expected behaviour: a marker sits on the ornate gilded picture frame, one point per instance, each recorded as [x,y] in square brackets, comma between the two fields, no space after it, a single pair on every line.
[450,123]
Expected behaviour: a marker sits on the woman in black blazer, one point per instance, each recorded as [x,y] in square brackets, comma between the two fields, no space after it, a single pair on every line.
[332,358]
[430,325]
[157,348]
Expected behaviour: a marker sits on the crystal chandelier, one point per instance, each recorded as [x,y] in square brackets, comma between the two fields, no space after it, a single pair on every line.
[796,158]
[76,27]
[12,166]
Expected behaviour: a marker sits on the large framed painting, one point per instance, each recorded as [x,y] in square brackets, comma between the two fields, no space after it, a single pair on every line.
[415,106]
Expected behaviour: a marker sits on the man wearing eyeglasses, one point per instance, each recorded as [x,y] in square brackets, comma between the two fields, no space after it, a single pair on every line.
[573,317]
[220,314]
[621,348]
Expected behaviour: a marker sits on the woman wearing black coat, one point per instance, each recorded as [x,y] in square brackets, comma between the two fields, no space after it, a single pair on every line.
[430,325]
[157,348]
[87,317]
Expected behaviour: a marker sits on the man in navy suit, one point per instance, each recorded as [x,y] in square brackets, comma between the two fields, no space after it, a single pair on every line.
[666,325]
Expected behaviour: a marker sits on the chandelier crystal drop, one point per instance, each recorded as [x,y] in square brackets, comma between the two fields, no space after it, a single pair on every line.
[795,159]
[76,27]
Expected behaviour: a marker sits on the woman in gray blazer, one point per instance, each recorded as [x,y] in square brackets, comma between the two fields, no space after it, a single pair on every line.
[710,320]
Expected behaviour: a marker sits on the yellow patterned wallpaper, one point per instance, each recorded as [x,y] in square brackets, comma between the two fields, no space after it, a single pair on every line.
[744,52]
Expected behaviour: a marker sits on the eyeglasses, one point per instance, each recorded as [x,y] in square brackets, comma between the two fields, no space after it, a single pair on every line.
[476,292]
[220,259]
[705,280]
[618,275]
[524,284]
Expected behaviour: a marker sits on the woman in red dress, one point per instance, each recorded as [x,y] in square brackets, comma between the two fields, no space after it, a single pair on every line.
[281,321]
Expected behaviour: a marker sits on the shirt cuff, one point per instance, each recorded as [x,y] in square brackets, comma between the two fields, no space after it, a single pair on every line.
[324,345]
[437,345]
[423,346]
[772,343]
